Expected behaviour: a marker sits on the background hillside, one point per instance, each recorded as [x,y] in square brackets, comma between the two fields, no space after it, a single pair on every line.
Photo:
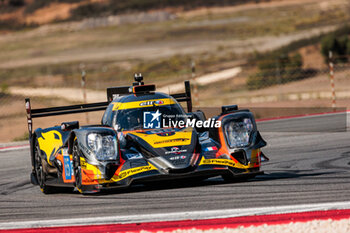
[280,49]
[17,14]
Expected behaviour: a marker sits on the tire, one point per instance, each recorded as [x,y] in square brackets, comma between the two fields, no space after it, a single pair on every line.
[76,166]
[33,179]
[39,171]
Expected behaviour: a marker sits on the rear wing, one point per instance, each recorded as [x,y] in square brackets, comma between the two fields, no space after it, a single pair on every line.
[55,111]
[185,97]
[99,106]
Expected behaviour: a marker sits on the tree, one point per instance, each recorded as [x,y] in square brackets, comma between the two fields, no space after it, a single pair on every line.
[278,69]
[338,45]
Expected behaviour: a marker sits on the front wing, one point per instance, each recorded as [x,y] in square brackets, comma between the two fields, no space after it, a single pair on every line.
[93,179]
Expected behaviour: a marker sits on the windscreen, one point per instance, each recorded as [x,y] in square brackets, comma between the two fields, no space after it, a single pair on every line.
[133,119]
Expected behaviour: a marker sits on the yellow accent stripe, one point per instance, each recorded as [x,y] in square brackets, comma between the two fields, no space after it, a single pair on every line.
[141,104]
[223,162]
[133,171]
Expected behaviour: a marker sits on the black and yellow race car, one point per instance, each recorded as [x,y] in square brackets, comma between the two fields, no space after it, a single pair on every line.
[144,136]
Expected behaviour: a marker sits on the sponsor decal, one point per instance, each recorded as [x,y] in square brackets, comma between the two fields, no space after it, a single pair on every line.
[68,165]
[177,157]
[151,120]
[85,149]
[224,162]
[140,104]
[133,171]
[151,102]
[211,148]
[172,140]
[175,150]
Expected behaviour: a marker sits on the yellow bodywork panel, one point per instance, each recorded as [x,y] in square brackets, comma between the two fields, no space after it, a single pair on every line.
[92,168]
[50,142]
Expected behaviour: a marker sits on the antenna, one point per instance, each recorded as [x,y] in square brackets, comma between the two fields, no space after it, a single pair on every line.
[138,79]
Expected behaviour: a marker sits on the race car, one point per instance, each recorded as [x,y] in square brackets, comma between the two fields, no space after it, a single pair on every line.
[144,136]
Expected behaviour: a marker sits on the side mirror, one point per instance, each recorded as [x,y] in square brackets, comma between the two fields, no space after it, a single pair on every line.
[67,126]
[228,109]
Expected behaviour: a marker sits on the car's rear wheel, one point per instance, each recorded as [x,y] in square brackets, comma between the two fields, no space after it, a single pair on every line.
[76,166]
[39,171]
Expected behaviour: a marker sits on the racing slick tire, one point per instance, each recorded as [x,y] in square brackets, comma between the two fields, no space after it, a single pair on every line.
[76,166]
[39,171]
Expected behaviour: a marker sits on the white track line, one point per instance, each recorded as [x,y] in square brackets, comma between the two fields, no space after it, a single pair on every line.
[11,148]
[188,215]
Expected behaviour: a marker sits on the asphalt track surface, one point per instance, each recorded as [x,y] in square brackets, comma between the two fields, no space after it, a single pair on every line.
[306,166]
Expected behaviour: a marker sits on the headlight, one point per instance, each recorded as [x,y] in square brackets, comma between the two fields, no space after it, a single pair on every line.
[238,132]
[104,147]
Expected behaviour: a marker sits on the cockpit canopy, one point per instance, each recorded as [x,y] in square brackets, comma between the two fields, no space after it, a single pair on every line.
[143,112]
